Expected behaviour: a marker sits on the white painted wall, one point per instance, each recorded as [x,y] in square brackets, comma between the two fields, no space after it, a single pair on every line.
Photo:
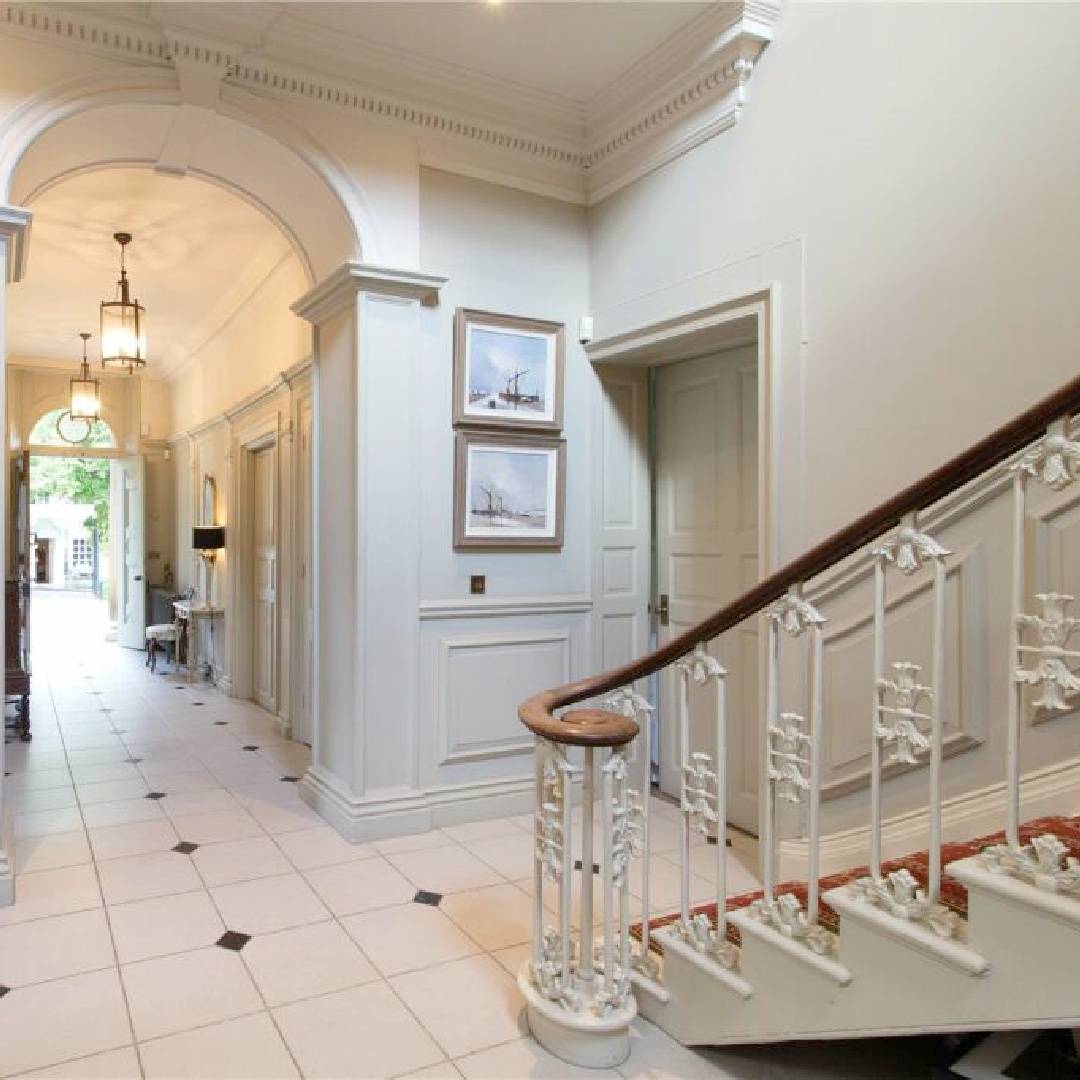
[518,254]
[920,151]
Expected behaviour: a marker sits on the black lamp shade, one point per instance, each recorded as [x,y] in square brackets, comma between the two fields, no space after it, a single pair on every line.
[208,537]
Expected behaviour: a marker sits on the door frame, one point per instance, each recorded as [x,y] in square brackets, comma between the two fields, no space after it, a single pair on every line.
[737,321]
[260,436]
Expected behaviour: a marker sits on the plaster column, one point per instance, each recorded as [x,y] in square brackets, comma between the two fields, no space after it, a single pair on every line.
[369,322]
[14,237]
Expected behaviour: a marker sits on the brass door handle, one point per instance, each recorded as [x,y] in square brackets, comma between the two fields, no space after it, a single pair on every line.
[660,609]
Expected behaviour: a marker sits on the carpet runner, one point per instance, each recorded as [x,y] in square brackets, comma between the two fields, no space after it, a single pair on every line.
[953,894]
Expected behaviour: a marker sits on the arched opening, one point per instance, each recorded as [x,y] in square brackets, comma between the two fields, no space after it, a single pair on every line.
[56,428]
[224,243]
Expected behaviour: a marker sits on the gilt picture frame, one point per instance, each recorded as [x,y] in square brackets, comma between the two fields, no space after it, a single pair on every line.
[508,371]
[509,491]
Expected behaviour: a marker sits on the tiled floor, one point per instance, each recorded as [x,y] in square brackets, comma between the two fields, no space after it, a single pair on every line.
[181,913]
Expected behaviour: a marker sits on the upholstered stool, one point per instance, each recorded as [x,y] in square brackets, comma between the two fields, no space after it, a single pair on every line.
[156,638]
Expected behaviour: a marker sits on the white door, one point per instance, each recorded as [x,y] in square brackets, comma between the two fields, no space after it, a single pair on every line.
[264,585]
[707,552]
[304,554]
[128,480]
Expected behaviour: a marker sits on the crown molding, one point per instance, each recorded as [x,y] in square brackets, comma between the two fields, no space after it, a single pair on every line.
[15,232]
[689,89]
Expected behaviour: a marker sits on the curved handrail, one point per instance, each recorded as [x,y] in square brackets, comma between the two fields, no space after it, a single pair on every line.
[537,712]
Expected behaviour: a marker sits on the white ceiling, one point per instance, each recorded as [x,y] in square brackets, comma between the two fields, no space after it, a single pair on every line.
[561,48]
[572,50]
[198,253]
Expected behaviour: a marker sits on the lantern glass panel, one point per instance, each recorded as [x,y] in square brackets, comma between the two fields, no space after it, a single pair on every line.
[123,338]
[85,403]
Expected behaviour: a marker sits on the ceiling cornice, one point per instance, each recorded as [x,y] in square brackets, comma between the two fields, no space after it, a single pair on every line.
[685,92]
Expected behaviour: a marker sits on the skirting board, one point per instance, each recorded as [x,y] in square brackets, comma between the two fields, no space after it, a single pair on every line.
[409,810]
[1052,790]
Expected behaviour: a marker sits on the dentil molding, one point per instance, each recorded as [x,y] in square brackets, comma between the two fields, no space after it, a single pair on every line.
[687,91]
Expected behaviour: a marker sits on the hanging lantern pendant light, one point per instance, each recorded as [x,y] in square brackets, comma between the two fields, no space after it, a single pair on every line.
[85,391]
[123,330]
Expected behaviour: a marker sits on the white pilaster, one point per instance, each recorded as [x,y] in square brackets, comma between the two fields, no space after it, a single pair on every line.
[14,239]
[368,322]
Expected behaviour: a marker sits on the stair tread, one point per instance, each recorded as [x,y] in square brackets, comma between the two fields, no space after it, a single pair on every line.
[953,893]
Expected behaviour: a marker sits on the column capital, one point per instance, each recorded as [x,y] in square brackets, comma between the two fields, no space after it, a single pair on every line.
[15,229]
[334,292]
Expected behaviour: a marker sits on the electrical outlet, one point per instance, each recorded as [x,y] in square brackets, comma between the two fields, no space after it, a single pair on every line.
[478,584]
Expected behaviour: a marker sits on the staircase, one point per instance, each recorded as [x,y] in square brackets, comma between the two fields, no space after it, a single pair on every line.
[958,938]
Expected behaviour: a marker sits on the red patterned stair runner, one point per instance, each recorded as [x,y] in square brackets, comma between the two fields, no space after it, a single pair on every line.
[953,894]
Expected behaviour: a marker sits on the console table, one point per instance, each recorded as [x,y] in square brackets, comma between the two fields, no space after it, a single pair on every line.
[187,617]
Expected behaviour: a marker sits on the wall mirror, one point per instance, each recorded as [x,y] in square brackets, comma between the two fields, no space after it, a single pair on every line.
[209,500]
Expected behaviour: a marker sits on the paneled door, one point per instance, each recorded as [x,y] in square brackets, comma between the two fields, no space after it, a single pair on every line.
[128,500]
[707,552]
[264,584]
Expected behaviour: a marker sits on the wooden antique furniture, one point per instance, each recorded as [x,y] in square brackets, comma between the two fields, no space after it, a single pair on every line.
[17,668]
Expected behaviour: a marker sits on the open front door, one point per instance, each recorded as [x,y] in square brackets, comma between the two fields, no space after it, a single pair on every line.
[129,540]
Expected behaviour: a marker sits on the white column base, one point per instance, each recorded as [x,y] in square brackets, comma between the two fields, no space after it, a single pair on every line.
[583,1039]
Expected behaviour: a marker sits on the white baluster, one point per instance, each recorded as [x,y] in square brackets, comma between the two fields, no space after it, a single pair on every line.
[684,767]
[630,703]
[586,973]
[704,811]
[1016,690]
[898,721]
[792,772]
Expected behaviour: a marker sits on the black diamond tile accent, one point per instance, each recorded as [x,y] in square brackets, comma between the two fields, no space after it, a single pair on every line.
[180,688]
[595,866]
[154,795]
[197,704]
[291,779]
[430,898]
[220,723]
[185,847]
[4,990]
[251,748]
[132,760]
[233,939]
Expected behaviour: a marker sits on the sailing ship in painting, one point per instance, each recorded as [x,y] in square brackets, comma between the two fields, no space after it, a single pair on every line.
[509,490]
[508,372]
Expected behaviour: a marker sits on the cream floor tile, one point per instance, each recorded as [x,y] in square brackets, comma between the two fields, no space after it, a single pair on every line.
[654,1055]
[483,830]
[415,842]
[307,960]
[511,856]
[37,780]
[284,819]
[112,1065]
[407,937]
[513,958]
[321,846]
[445,870]
[163,925]
[111,791]
[101,774]
[27,802]
[248,771]
[467,1005]
[524,1058]
[740,878]
[185,782]
[353,887]
[33,853]
[246,1049]
[102,815]
[51,948]
[48,822]
[219,825]
[445,1070]
[495,917]
[177,993]
[141,877]
[137,838]
[203,801]
[94,1019]
[240,860]
[362,1032]
[53,892]
[268,904]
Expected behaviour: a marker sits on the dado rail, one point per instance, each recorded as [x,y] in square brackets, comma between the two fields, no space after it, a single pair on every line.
[820,957]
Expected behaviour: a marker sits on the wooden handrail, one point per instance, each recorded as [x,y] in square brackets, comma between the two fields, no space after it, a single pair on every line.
[536,713]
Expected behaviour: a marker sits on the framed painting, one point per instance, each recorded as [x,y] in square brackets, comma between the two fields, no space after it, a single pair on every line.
[508,372]
[509,491]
